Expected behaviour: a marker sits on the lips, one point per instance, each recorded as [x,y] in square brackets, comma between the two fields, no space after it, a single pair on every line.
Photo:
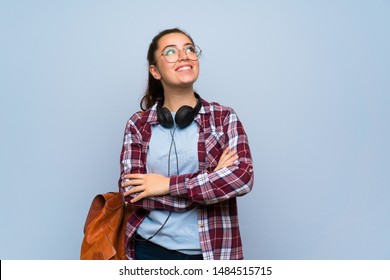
[184,68]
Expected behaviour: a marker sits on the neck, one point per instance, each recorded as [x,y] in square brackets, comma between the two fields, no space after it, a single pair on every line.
[174,100]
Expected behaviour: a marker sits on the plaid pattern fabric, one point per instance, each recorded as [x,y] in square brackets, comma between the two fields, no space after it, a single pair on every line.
[213,193]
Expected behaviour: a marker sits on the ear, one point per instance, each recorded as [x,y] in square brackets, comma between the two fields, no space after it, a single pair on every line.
[154,72]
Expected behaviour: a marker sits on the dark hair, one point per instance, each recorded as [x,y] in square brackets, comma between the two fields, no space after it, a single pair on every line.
[154,90]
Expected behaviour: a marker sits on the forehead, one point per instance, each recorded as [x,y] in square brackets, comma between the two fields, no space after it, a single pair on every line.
[175,39]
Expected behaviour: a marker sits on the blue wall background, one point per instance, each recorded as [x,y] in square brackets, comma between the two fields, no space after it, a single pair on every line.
[309,80]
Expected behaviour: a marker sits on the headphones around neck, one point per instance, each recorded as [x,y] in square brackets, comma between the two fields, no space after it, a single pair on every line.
[184,116]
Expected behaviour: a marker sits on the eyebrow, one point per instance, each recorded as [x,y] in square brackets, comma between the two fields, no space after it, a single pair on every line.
[186,44]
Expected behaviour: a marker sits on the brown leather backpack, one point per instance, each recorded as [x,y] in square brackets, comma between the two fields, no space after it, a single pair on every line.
[105,228]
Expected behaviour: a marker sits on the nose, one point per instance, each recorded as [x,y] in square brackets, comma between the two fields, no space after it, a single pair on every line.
[183,55]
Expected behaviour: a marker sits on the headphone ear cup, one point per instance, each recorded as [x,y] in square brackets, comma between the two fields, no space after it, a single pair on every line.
[164,117]
[184,116]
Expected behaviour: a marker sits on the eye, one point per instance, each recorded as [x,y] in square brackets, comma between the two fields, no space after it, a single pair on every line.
[169,51]
[190,49]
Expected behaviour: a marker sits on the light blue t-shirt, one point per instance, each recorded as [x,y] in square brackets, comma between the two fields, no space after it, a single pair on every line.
[173,151]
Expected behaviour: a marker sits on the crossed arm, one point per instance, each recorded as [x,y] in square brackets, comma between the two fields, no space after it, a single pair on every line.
[232,176]
[150,185]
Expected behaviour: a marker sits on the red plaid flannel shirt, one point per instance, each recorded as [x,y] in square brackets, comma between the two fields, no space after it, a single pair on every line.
[213,193]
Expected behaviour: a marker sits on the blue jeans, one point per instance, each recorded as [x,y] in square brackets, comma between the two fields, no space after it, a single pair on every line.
[147,250]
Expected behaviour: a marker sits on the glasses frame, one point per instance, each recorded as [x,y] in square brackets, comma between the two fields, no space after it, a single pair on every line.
[180,50]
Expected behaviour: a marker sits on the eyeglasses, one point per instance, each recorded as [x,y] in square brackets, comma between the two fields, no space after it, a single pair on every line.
[172,54]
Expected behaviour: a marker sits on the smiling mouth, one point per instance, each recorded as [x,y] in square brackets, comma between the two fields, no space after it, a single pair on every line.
[184,68]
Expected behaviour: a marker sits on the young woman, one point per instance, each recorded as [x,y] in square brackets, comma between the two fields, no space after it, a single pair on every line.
[183,163]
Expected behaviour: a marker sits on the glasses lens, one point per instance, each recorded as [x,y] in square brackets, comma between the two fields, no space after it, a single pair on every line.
[171,54]
[193,52]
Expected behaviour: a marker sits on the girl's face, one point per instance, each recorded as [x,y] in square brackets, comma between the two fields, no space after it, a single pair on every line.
[175,74]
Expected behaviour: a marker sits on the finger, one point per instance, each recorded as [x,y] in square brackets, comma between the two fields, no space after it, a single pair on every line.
[233,156]
[133,190]
[229,162]
[133,182]
[223,160]
[138,197]
[232,160]
[134,176]
[229,154]
[126,183]
[225,152]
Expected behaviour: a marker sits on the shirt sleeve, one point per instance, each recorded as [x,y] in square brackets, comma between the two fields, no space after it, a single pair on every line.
[208,187]
[133,159]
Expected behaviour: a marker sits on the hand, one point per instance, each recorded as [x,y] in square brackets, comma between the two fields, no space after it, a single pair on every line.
[227,159]
[145,185]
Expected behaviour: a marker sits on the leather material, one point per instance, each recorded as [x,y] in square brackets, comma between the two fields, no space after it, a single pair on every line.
[105,228]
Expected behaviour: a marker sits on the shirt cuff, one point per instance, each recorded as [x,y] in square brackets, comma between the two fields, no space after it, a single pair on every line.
[177,186]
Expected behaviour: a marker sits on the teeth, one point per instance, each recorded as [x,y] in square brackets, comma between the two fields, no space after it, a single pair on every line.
[184,68]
